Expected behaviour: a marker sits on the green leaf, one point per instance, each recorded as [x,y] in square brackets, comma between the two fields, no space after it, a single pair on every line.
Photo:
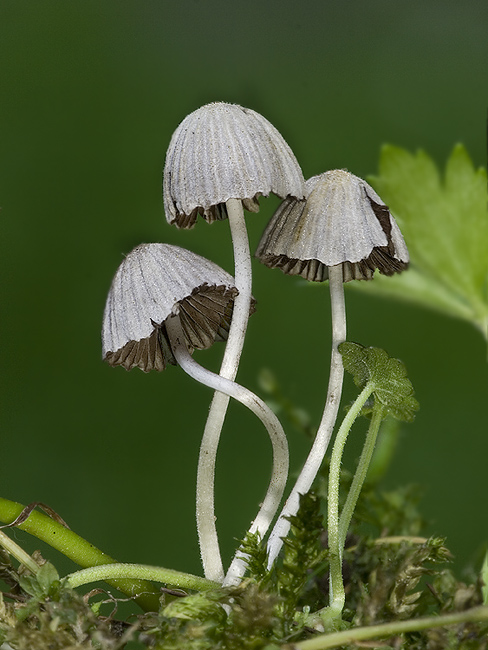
[48,578]
[44,583]
[445,225]
[386,376]
[31,586]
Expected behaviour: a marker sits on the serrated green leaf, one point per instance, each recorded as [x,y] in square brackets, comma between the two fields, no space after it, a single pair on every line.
[445,225]
[386,376]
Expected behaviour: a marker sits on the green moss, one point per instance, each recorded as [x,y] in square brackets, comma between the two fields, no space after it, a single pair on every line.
[395,578]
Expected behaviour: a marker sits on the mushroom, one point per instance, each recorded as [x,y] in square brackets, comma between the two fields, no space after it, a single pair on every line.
[343,231]
[152,282]
[221,159]
[165,302]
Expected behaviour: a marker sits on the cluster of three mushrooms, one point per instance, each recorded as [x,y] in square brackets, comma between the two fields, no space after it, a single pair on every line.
[221,159]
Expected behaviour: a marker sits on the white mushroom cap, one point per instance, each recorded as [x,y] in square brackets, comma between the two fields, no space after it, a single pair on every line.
[224,151]
[153,282]
[342,221]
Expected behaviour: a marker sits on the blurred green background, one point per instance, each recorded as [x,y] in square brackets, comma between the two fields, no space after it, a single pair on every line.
[91,91]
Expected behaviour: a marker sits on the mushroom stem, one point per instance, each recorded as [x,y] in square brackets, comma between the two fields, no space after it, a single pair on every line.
[277,436]
[243,283]
[205,509]
[324,433]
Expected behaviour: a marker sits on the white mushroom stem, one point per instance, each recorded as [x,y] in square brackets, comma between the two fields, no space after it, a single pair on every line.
[205,508]
[326,427]
[277,436]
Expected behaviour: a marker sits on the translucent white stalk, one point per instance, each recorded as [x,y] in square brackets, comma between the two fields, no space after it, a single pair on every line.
[205,508]
[277,436]
[326,427]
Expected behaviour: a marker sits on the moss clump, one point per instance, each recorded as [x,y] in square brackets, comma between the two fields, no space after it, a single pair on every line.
[390,574]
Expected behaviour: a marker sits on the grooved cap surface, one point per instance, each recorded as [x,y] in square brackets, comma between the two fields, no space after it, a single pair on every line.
[342,221]
[153,282]
[224,151]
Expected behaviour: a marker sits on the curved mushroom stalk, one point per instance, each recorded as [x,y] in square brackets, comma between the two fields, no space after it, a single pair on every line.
[154,281]
[277,436]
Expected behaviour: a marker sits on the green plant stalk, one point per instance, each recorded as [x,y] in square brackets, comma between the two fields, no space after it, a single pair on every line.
[361,471]
[385,630]
[109,572]
[18,553]
[77,549]
[337,596]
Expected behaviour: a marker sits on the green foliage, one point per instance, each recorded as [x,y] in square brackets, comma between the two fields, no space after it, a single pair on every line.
[45,614]
[445,225]
[257,558]
[402,576]
[303,554]
[385,577]
[44,585]
[303,558]
[399,577]
[386,376]
[391,572]
[237,618]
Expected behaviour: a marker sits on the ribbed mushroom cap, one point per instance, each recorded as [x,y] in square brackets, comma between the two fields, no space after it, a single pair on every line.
[224,151]
[342,221]
[153,282]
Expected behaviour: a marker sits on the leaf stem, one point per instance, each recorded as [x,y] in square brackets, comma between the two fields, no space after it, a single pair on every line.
[277,436]
[77,549]
[118,571]
[337,596]
[205,506]
[385,630]
[361,471]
